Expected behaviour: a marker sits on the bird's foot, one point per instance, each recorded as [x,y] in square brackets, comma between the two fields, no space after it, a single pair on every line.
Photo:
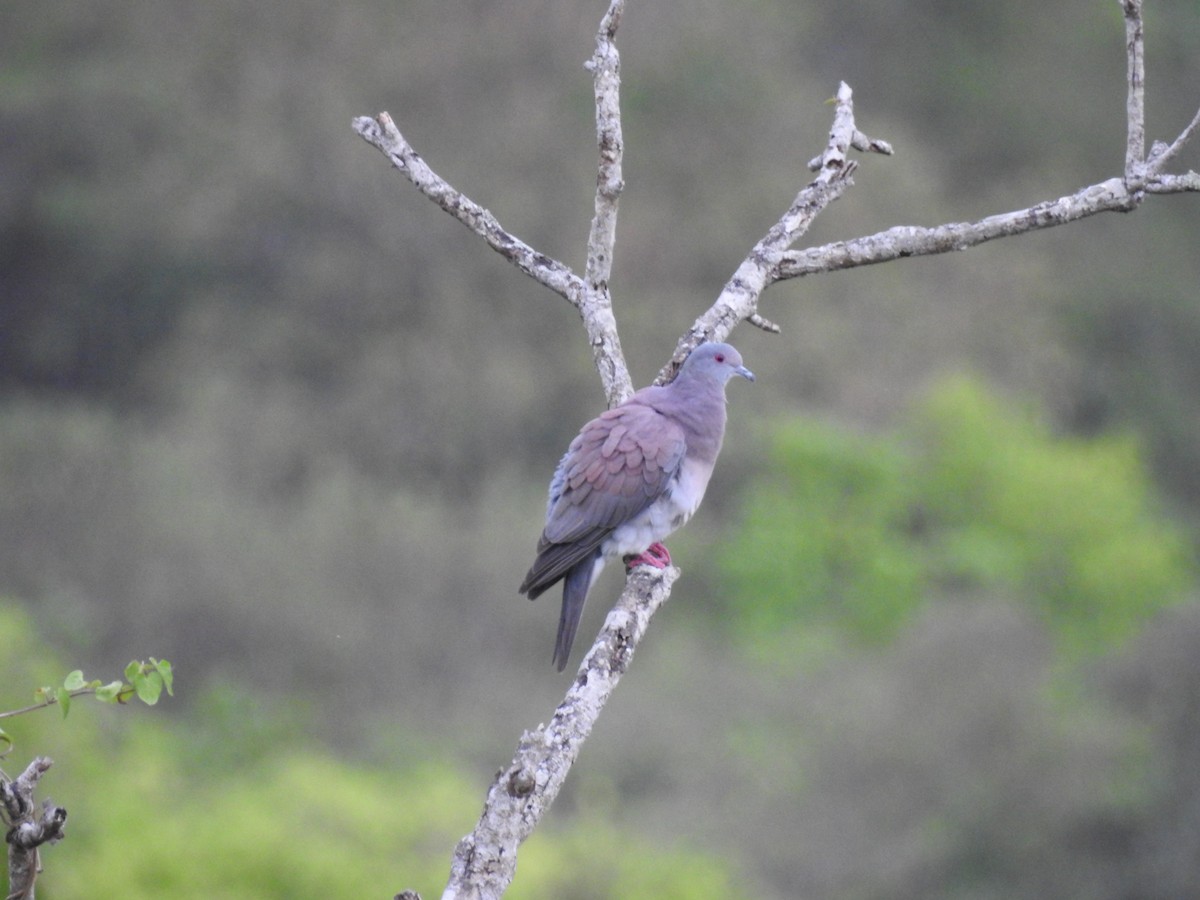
[656,556]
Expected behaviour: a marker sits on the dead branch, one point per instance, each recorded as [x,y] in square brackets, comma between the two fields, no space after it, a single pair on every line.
[485,860]
[28,826]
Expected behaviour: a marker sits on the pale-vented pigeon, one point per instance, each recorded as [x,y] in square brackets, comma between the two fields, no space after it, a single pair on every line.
[631,477]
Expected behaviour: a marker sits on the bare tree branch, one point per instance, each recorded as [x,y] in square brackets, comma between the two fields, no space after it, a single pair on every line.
[904,241]
[738,300]
[485,860]
[1115,195]
[1135,103]
[590,295]
[28,827]
[382,133]
[1174,184]
[605,66]
[911,240]
[594,306]
[1161,154]
[765,324]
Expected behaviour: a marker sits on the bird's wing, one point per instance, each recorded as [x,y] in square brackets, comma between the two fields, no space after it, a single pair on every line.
[617,465]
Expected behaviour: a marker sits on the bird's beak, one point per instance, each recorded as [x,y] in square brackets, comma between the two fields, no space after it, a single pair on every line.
[745,373]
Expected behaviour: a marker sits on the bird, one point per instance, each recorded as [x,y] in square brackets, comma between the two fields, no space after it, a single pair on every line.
[632,476]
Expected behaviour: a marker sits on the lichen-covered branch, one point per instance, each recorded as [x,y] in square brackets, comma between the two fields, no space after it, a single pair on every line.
[910,240]
[590,294]
[486,859]
[738,300]
[381,132]
[1135,91]
[605,66]
[1142,176]
[1114,195]
[1161,154]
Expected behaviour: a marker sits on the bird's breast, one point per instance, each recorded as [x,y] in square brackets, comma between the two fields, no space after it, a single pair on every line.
[667,513]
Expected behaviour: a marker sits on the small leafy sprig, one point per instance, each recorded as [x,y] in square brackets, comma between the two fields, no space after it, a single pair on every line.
[144,679]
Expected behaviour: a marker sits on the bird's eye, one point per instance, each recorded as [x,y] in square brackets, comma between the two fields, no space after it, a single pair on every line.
[720,357]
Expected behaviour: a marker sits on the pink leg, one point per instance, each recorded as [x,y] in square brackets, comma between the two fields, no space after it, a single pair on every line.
[655,556]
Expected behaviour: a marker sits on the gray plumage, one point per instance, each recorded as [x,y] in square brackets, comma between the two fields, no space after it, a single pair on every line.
[632,476]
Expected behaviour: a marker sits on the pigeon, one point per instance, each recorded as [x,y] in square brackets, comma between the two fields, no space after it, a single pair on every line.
[632,476]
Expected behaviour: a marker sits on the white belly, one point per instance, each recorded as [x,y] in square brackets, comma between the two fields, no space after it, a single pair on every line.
[663,516]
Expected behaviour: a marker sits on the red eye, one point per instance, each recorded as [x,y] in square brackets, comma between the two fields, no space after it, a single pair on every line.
[720,357]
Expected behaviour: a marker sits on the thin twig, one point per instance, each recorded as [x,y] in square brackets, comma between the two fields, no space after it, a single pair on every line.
[605,66]
[903,241]
[49,701]
[765,324]
[1161,154]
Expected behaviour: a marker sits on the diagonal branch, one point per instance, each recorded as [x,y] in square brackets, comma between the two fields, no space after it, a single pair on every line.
[911,240]
[1161,154]
[738,300]
[903,241]
[381,132]
[485,861]
[594,306]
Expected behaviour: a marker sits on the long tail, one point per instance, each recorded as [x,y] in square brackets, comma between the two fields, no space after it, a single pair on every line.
[575,590]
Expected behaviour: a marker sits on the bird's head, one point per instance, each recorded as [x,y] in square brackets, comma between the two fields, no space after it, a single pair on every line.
[719,361]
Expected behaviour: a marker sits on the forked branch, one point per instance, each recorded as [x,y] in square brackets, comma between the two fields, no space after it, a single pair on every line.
[590,294]
[485,860]
[738,300]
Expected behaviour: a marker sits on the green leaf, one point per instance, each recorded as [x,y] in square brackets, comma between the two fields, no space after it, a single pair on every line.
[133,670]
[111,692]
[74,681]
[163,667]
[149,687]
[64,700]
[6,743]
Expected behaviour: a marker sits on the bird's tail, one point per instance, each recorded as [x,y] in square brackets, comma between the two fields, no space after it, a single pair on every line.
[575,590]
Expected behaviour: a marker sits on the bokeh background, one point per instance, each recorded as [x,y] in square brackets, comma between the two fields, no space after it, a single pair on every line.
[267,413]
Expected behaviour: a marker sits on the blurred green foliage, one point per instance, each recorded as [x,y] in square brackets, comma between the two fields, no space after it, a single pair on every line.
[269,814]
[979,498]
[269,413]
[1072,525]
[824,537]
